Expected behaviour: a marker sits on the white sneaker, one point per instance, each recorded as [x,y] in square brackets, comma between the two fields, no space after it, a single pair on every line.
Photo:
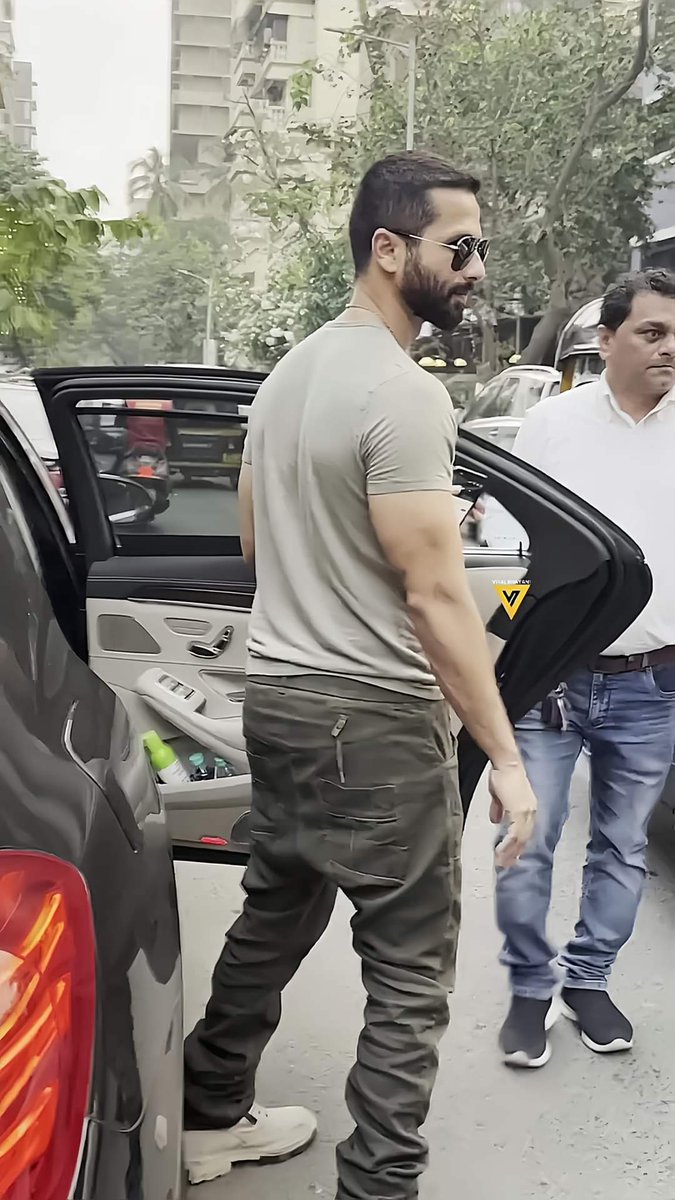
[266,1135]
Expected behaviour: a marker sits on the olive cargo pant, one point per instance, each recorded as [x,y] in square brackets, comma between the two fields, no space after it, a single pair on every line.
[355,792]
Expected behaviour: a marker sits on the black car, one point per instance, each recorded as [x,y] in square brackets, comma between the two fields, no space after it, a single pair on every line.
[109,631]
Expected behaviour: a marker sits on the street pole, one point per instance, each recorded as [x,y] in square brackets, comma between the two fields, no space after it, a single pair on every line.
[209,349]
[412,88]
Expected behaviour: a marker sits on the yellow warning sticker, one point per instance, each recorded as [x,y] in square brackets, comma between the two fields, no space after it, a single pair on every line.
[512,596]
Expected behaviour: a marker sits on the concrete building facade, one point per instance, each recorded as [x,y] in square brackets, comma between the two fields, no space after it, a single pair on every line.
[200,89]
[17,98]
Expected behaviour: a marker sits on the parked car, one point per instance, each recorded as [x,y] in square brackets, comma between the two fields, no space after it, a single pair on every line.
[108,630]
[21,398]
[498,410]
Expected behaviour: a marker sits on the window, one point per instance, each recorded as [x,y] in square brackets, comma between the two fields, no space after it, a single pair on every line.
[529,394]
[188,464]
[275,92]
[485,398]
[278,28]
[495,400]
[490,526]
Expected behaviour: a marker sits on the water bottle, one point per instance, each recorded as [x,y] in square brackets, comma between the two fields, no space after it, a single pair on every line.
[163,760]
[223,769]
[199,773]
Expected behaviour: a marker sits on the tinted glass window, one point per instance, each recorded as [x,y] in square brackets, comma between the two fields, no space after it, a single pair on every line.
[188,465]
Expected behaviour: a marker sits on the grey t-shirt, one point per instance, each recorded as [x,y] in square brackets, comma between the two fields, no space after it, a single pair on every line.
[345,415]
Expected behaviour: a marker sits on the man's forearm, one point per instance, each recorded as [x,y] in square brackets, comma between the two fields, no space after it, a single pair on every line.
[453,637]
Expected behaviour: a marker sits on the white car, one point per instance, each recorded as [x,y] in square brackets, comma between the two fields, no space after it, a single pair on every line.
[22,400]
[496,414]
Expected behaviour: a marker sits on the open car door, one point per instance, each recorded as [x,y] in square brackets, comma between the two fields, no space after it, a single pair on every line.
[168,594]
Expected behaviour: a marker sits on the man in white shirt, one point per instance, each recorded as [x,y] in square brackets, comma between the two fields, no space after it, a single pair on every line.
[613,443]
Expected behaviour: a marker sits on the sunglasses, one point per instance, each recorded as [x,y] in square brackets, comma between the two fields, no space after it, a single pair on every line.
[463,249]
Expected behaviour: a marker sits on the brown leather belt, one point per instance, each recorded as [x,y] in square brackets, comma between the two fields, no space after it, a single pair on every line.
[609,665]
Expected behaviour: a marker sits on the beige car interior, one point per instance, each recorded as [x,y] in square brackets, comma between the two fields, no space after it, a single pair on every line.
[180,670]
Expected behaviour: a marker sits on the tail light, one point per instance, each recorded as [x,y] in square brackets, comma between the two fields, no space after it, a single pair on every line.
[55,475]
[47,1013]
[154,405]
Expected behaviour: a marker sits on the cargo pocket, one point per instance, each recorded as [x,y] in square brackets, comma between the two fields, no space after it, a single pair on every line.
[267,808]
[361,835]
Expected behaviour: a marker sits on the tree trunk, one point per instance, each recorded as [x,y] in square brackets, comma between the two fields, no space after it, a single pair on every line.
[542,345]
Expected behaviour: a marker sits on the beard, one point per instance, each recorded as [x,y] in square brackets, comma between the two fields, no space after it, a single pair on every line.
[430,299]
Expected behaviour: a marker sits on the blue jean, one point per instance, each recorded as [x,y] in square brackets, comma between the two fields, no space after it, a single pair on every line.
[628,721]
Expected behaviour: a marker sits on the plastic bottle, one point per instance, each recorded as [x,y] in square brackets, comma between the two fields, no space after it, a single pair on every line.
[163,760]
[223,769]
[199,772]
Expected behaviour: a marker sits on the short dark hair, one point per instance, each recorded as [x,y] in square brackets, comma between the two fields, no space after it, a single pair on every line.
[618,299]
[394,194]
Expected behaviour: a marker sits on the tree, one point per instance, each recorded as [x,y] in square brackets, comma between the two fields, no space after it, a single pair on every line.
[48,234]
[154,296]
[150,189]
[542,105]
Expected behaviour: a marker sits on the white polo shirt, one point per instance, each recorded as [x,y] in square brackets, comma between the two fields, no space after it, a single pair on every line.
[626,470]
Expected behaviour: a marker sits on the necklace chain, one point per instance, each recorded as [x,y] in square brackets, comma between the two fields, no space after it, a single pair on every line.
[373,313]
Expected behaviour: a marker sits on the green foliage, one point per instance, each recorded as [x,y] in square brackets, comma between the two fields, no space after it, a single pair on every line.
[48,234]
[532,103]
[154,296]
[538,103]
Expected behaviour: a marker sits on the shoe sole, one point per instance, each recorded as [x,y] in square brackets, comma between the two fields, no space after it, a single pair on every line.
[616,1047]
[520,1058]
[215,1166]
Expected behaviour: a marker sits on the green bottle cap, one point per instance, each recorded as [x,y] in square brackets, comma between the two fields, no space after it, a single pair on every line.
[197,760]
[161,755]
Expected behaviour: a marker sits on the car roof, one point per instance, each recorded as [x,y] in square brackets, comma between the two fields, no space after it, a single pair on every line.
[531,369]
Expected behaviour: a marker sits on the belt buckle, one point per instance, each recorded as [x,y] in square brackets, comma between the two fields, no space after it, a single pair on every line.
[641,659]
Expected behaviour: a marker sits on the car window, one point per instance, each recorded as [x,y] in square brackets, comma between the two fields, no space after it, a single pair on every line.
[500,404]
[490,526]
[487,398]
[188,464]
[530,393]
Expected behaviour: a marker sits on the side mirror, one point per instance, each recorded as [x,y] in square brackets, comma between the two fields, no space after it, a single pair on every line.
[126,501]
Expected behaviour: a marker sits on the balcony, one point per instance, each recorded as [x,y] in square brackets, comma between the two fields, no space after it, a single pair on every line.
[203,91]
[268,116]
[209,32]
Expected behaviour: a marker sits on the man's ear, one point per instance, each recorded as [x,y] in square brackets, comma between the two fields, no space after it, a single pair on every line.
[387,248]
[605,339]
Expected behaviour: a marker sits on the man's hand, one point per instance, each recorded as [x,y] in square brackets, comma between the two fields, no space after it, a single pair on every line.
[512,800]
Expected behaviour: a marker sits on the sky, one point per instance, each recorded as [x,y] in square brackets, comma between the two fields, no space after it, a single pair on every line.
[102,74]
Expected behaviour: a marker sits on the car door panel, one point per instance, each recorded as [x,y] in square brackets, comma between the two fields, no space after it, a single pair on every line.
[587,579]
[142,648]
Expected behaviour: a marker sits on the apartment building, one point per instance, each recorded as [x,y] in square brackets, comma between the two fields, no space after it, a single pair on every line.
[200,90]
[272,40]
[17,99]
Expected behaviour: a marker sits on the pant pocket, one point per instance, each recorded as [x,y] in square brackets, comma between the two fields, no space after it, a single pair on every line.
[361,835]
[664,681]
[359,804]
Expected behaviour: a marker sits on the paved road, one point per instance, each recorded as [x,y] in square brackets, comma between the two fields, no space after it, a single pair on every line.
[207,507]
[585,1128]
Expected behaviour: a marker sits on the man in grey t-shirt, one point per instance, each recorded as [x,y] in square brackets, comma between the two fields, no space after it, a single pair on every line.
[363,629]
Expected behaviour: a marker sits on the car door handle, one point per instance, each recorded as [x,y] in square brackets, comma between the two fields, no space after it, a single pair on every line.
[212,649]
